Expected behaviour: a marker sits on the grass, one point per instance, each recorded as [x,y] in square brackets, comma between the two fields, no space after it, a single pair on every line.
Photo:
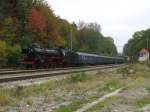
[30,101]
[20,92]
[123,70]
[106,105]
[5,97]
[148,88]
[69,108]
[146,100]
[110,85]
[103,105]
[79,84]
[17,94]
[135,79]
[107,84]
[133,69]
[80,77]
[143,102]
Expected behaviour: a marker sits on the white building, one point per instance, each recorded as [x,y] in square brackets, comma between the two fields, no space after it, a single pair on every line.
[144,55]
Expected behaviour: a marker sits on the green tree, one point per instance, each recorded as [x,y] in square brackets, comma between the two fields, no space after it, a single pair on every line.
[139,41]
[8,30]
[68,31]
[89,40]
[109,47]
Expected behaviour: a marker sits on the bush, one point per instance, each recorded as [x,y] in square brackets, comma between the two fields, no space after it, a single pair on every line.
[3,53]
[9,55]
[110,85]
[5,98]
[124,70]
[13,55]
[78,77]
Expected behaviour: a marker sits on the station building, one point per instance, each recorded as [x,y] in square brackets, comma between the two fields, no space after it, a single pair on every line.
[143,55]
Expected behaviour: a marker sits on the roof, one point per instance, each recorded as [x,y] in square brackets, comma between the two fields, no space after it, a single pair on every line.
[87,54]
[143,50]
[95,55]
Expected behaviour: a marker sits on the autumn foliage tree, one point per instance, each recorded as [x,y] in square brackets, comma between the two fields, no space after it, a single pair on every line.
[36,21]
[52,28]
[24,22]
[42,24]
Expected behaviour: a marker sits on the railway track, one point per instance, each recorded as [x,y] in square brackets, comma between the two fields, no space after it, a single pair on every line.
[2,70]
[6,76]
[18,71]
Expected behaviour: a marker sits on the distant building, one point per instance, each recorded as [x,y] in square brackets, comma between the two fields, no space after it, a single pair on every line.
[143,55]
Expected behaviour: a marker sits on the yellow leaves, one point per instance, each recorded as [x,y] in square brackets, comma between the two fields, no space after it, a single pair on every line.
[8,21]
[2,48]
[2,52]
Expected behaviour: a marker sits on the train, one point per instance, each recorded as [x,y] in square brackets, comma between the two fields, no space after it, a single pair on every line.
[36,57]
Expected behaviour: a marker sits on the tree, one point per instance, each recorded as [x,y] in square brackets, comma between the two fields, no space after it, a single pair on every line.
[96,27]
[8,30]
[36,21]
[68,32]
[109,46]
[89,40]
[13,55]
[8,8]
[3,53]
[22,8]
[52,28]
[24,22]
[139,41]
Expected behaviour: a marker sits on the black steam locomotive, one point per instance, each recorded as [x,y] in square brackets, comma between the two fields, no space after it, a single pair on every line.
[45,58]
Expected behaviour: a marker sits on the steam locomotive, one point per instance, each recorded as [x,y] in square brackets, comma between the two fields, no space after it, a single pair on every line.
[35,57]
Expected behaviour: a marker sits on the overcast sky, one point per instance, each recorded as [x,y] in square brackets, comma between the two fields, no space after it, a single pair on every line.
[118,18]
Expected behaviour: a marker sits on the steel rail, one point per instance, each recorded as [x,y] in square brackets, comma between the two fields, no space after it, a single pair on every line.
[32,75]
[5,72]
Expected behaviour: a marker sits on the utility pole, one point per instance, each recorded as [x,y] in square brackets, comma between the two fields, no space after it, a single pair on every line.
[70,39]
[147,48]
[147,43]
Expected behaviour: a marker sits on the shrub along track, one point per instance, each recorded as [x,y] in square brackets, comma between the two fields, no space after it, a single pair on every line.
[7,76]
